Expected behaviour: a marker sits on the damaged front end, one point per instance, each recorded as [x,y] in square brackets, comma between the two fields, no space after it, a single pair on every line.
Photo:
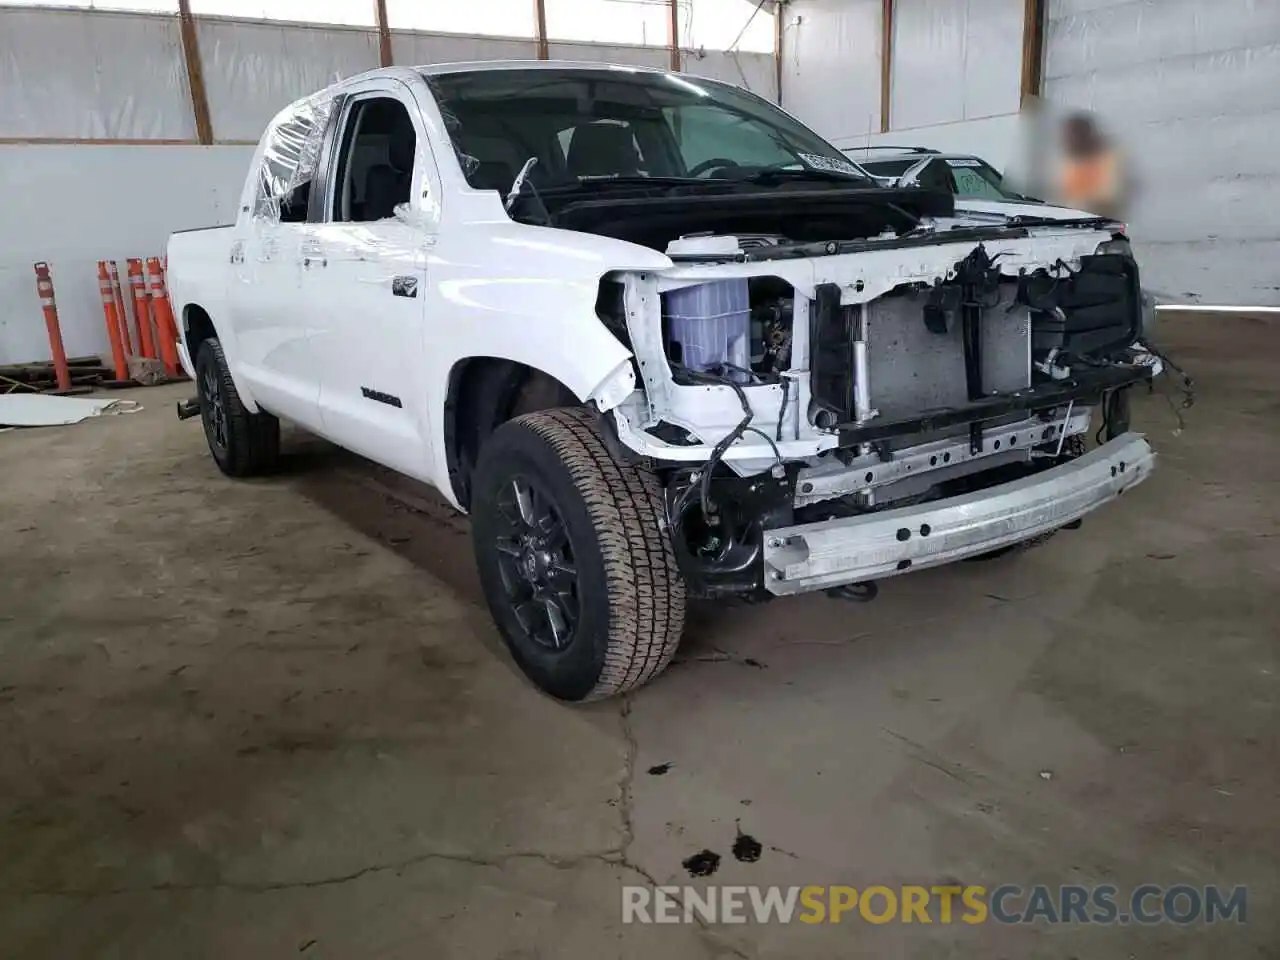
[836,414]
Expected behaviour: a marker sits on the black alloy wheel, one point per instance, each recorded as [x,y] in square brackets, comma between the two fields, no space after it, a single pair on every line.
[535,561]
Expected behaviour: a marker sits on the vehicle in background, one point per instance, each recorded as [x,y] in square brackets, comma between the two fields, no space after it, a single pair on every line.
[658,339]
[980,191]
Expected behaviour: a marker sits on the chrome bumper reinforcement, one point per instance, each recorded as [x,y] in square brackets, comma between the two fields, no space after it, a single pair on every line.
[814,556]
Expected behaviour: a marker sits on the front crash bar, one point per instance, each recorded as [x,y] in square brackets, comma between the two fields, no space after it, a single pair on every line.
[831,553]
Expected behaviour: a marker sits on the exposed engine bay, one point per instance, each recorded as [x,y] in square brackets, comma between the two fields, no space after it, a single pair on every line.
[776,402]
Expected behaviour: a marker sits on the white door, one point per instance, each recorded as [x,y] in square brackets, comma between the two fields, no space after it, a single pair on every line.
[271,315]
[365,269]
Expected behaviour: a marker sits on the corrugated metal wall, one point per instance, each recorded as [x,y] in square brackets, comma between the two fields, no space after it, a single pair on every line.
[1192,90]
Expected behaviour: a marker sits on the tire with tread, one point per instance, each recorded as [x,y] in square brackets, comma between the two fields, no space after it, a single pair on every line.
[252,439]
[631,598]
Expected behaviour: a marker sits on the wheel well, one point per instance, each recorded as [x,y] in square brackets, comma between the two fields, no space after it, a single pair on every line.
[484,393]
[197,328]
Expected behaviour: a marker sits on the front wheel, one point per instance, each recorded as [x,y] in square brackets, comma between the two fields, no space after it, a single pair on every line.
[574,557]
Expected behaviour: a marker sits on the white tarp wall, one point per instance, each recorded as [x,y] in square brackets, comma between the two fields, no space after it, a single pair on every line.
[831,67]
[1192,89]
[955,72]
[74,75]
[54,81]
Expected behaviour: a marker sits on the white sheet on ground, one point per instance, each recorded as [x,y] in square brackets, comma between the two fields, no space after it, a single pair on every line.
[47,410]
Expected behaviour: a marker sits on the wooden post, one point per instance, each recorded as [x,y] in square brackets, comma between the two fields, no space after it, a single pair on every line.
[384,33]
[886,64]
[540,25]
[195,73]
[1032,48]
[778,9]
[673,35]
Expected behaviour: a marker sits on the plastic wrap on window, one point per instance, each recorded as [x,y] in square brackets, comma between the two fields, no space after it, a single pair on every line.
[291,153]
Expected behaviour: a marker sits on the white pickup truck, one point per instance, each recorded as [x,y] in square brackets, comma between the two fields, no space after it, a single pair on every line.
[658,339]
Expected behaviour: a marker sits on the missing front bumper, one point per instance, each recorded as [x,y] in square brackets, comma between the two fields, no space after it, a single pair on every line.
[816,556]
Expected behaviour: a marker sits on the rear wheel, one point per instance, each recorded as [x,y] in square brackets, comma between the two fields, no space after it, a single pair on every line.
[242,443]
[574,557]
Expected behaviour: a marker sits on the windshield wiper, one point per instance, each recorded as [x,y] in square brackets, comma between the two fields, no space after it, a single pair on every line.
[777,174]
[633,181]
[638,178]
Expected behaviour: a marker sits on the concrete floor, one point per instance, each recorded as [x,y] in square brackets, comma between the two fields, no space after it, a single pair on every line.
[271,718]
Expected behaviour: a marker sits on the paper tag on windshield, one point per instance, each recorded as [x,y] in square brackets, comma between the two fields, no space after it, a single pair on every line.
[829,163]
[960,162]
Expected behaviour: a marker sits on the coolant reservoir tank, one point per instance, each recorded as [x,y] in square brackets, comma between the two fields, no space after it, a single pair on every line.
[709,327]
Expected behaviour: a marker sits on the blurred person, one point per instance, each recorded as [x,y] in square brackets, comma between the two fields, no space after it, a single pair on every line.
[1090,173]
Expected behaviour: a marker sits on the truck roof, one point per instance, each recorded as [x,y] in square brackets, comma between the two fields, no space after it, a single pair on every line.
[471,66]
[474,66]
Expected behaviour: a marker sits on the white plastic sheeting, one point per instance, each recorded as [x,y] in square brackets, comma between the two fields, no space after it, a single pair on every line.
[1192,91]
[419,49]
[754,71]
[507,18]
[625,22]
[252,70]
[741,25]
[955,60]
[43,410]
[356,14]
[831,65]
[611,53]
[93,76]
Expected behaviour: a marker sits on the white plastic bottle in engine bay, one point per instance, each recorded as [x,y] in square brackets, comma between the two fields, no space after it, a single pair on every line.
[709,327]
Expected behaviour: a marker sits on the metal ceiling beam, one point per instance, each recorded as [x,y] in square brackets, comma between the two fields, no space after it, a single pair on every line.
[540,25]
[1032,48]
[673,35]
[195,73]
[385,56]
[778,28]
[886,64]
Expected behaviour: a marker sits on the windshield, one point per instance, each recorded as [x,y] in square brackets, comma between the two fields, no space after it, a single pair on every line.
[978,180]
[591,126]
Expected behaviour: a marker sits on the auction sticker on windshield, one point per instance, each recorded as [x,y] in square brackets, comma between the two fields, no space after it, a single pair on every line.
[829,163]
[962,162]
